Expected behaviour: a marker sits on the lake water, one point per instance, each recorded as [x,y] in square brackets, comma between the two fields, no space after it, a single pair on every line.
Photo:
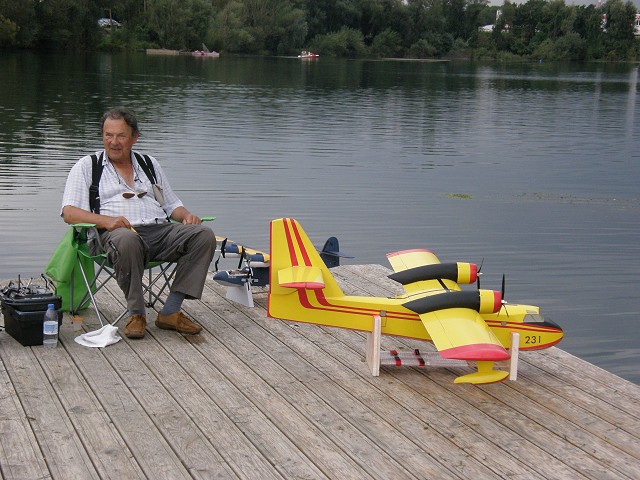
[533,169]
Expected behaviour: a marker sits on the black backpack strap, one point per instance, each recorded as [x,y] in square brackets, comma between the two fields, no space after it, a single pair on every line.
[94,189]
[145,163]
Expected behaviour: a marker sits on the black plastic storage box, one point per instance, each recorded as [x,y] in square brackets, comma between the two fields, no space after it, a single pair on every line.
[24,315]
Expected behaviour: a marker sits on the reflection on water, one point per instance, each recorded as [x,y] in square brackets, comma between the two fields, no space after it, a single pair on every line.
[547,159]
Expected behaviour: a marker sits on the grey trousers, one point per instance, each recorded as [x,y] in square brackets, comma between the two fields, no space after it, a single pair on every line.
[191,246]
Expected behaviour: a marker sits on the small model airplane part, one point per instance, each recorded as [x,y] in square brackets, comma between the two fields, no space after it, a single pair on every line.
[253,268]
[463,325]
[331,253]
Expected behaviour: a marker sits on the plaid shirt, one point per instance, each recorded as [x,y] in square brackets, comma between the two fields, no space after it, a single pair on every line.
[139,211]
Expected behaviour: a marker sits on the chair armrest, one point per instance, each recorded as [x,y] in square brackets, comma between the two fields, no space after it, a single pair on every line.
[83,225]
[204,219]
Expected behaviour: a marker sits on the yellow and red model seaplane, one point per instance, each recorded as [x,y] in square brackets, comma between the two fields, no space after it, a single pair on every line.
[465,325]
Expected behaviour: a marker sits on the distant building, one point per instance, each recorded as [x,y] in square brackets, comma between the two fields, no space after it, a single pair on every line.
[108,23]
[489,28]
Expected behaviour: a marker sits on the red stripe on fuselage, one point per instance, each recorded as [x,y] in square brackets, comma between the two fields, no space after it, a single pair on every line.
[322,300]
[521,326]
[325,306]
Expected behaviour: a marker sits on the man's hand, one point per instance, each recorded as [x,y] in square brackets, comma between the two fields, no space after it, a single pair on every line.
[191,219]
[184,216]
[116,222]
[73,215]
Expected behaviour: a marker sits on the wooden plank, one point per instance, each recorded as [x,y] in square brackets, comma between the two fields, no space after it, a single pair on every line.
[591,413]
[180,383]
[20,455]
[59,443]
[566,441]
[621,394]
[109,454]
[568,431]
[314,368]
[465,426]
[254,397]
[244,414]
[152,451]
[325,438]
[133,361]
[623,439]
[241,416]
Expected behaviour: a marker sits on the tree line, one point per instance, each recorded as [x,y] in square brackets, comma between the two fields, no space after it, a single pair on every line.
[538,29]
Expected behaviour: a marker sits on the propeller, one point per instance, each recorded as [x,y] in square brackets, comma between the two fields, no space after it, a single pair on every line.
[502,291]
[478,273]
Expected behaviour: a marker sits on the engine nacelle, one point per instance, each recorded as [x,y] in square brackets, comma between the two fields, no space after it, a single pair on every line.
[482,301]
[459,272]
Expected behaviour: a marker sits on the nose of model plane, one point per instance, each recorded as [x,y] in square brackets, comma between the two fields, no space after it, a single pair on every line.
[544,333]
[540,321]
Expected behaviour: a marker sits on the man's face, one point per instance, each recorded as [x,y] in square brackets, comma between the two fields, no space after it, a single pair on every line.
[118,139]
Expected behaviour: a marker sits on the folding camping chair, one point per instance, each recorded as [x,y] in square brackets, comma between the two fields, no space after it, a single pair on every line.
[153,284]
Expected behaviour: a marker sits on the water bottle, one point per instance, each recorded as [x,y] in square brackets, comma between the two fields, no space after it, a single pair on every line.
[50,327]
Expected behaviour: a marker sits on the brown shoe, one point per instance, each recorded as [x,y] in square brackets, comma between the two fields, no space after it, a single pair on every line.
[135,326]
[179,322]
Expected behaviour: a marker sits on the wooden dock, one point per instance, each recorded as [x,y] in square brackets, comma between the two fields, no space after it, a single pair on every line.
[258,398]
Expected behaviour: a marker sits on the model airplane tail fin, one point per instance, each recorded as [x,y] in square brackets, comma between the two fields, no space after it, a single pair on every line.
[331,253]
[295,263]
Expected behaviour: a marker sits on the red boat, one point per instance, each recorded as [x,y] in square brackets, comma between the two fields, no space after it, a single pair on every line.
[306,54]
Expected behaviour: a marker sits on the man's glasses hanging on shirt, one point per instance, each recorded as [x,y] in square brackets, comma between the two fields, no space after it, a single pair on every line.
[129,195]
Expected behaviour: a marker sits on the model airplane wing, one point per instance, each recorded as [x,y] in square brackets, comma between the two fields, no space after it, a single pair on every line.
[230,249]
[450,316]
[463,334]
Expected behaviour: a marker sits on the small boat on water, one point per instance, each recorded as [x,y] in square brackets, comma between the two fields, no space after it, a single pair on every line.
[201,53]
[205,52]
[306,54]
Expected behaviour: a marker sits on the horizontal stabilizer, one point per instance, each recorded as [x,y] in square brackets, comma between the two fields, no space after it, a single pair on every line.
[232,278]
[257,277]
[301,277]
[331,253]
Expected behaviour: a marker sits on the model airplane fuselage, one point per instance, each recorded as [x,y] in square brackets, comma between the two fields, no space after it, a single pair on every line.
[464,325]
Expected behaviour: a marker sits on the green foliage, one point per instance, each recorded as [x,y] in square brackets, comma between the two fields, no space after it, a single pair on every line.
[534,29]
[422,49]
[65,24]
[569,47]
[386,44]
[259,26]
[433,45]
[179,24]
[229,30]
[8,31]
[347,43]
[22,15]
[619,40]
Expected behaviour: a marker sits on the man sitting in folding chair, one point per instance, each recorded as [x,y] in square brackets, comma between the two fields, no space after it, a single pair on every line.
[131,205]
